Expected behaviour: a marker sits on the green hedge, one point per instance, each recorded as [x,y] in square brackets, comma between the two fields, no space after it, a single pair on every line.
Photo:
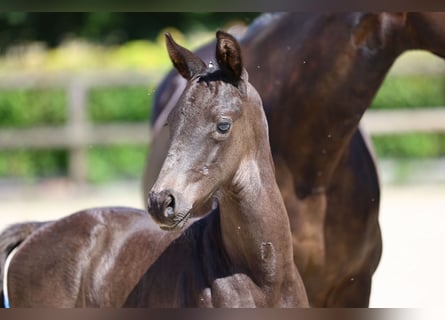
[27,108]
[128,104]
[410,145]
[115,163]
[120,105]
[31,164]
[411,91]
[48,107]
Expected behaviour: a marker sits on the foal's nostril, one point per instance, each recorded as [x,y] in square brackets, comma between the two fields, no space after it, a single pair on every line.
[161,205]
[169,206]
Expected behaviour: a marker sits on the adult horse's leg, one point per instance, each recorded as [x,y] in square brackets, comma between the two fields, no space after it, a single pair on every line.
[353,192]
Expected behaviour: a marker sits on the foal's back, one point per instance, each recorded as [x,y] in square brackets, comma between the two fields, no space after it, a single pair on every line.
[91,258]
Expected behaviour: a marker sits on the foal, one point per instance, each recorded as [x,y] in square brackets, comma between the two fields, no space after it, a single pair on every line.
[240,255]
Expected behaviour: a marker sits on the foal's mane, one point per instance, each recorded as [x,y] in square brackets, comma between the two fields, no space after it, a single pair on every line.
[213,74]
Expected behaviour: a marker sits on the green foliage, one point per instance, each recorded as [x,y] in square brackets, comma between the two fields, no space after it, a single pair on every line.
[120,104]
[109,28]
[411,91]
[116,163]
[411,145]
[27,108]
[28,164]
[49,108]
[105,164]
[77,55]
[139,55]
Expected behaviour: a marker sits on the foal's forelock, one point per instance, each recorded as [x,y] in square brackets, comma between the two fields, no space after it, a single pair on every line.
[208,94]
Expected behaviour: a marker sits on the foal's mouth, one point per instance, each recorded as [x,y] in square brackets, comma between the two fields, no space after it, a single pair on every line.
[179,221]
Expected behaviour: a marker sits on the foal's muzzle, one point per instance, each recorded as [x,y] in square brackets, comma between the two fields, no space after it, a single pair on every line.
[163,207]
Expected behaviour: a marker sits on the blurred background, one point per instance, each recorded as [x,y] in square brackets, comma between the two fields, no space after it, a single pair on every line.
[75,100]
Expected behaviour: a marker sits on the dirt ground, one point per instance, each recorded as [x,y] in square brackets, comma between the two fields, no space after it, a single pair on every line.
[411,271]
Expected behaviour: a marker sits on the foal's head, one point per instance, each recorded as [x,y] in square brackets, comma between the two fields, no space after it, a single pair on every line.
[217,122]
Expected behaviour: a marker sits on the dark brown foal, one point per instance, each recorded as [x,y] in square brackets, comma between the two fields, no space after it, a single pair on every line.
[92,258]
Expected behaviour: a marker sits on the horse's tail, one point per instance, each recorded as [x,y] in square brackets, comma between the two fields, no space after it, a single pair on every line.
[10,238]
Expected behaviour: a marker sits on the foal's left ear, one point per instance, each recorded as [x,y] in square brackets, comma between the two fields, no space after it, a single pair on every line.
[228,55]
[186,62]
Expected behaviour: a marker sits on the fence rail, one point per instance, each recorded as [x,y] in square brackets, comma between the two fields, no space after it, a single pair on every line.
[77,134]
[378,122]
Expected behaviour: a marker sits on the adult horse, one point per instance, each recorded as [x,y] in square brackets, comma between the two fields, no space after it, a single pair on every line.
[240,255]
[317,74]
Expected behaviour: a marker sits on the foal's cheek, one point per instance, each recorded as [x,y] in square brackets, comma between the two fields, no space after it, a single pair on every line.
[213,154]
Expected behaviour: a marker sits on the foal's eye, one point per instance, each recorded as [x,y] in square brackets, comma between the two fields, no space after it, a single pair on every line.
[224,125]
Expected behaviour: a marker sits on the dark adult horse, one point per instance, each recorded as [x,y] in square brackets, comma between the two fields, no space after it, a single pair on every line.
[317,74]
[239,255]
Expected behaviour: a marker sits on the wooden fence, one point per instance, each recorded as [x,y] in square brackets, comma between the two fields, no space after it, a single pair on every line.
[77,134]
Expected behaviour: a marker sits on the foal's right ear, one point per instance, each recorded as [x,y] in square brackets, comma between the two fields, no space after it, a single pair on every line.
[186,62]
[228,55]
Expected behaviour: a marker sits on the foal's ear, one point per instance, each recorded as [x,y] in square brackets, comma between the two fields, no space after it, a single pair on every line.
[186,62]
[228,55]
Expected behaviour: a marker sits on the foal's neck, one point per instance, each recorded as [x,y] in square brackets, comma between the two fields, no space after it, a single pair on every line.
[254,223]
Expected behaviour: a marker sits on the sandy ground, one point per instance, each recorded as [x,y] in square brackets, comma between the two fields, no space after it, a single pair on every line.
[411,271]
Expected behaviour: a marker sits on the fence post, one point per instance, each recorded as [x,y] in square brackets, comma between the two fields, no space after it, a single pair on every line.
[77,126]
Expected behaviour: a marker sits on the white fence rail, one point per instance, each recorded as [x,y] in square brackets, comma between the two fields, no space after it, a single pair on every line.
[378,122]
